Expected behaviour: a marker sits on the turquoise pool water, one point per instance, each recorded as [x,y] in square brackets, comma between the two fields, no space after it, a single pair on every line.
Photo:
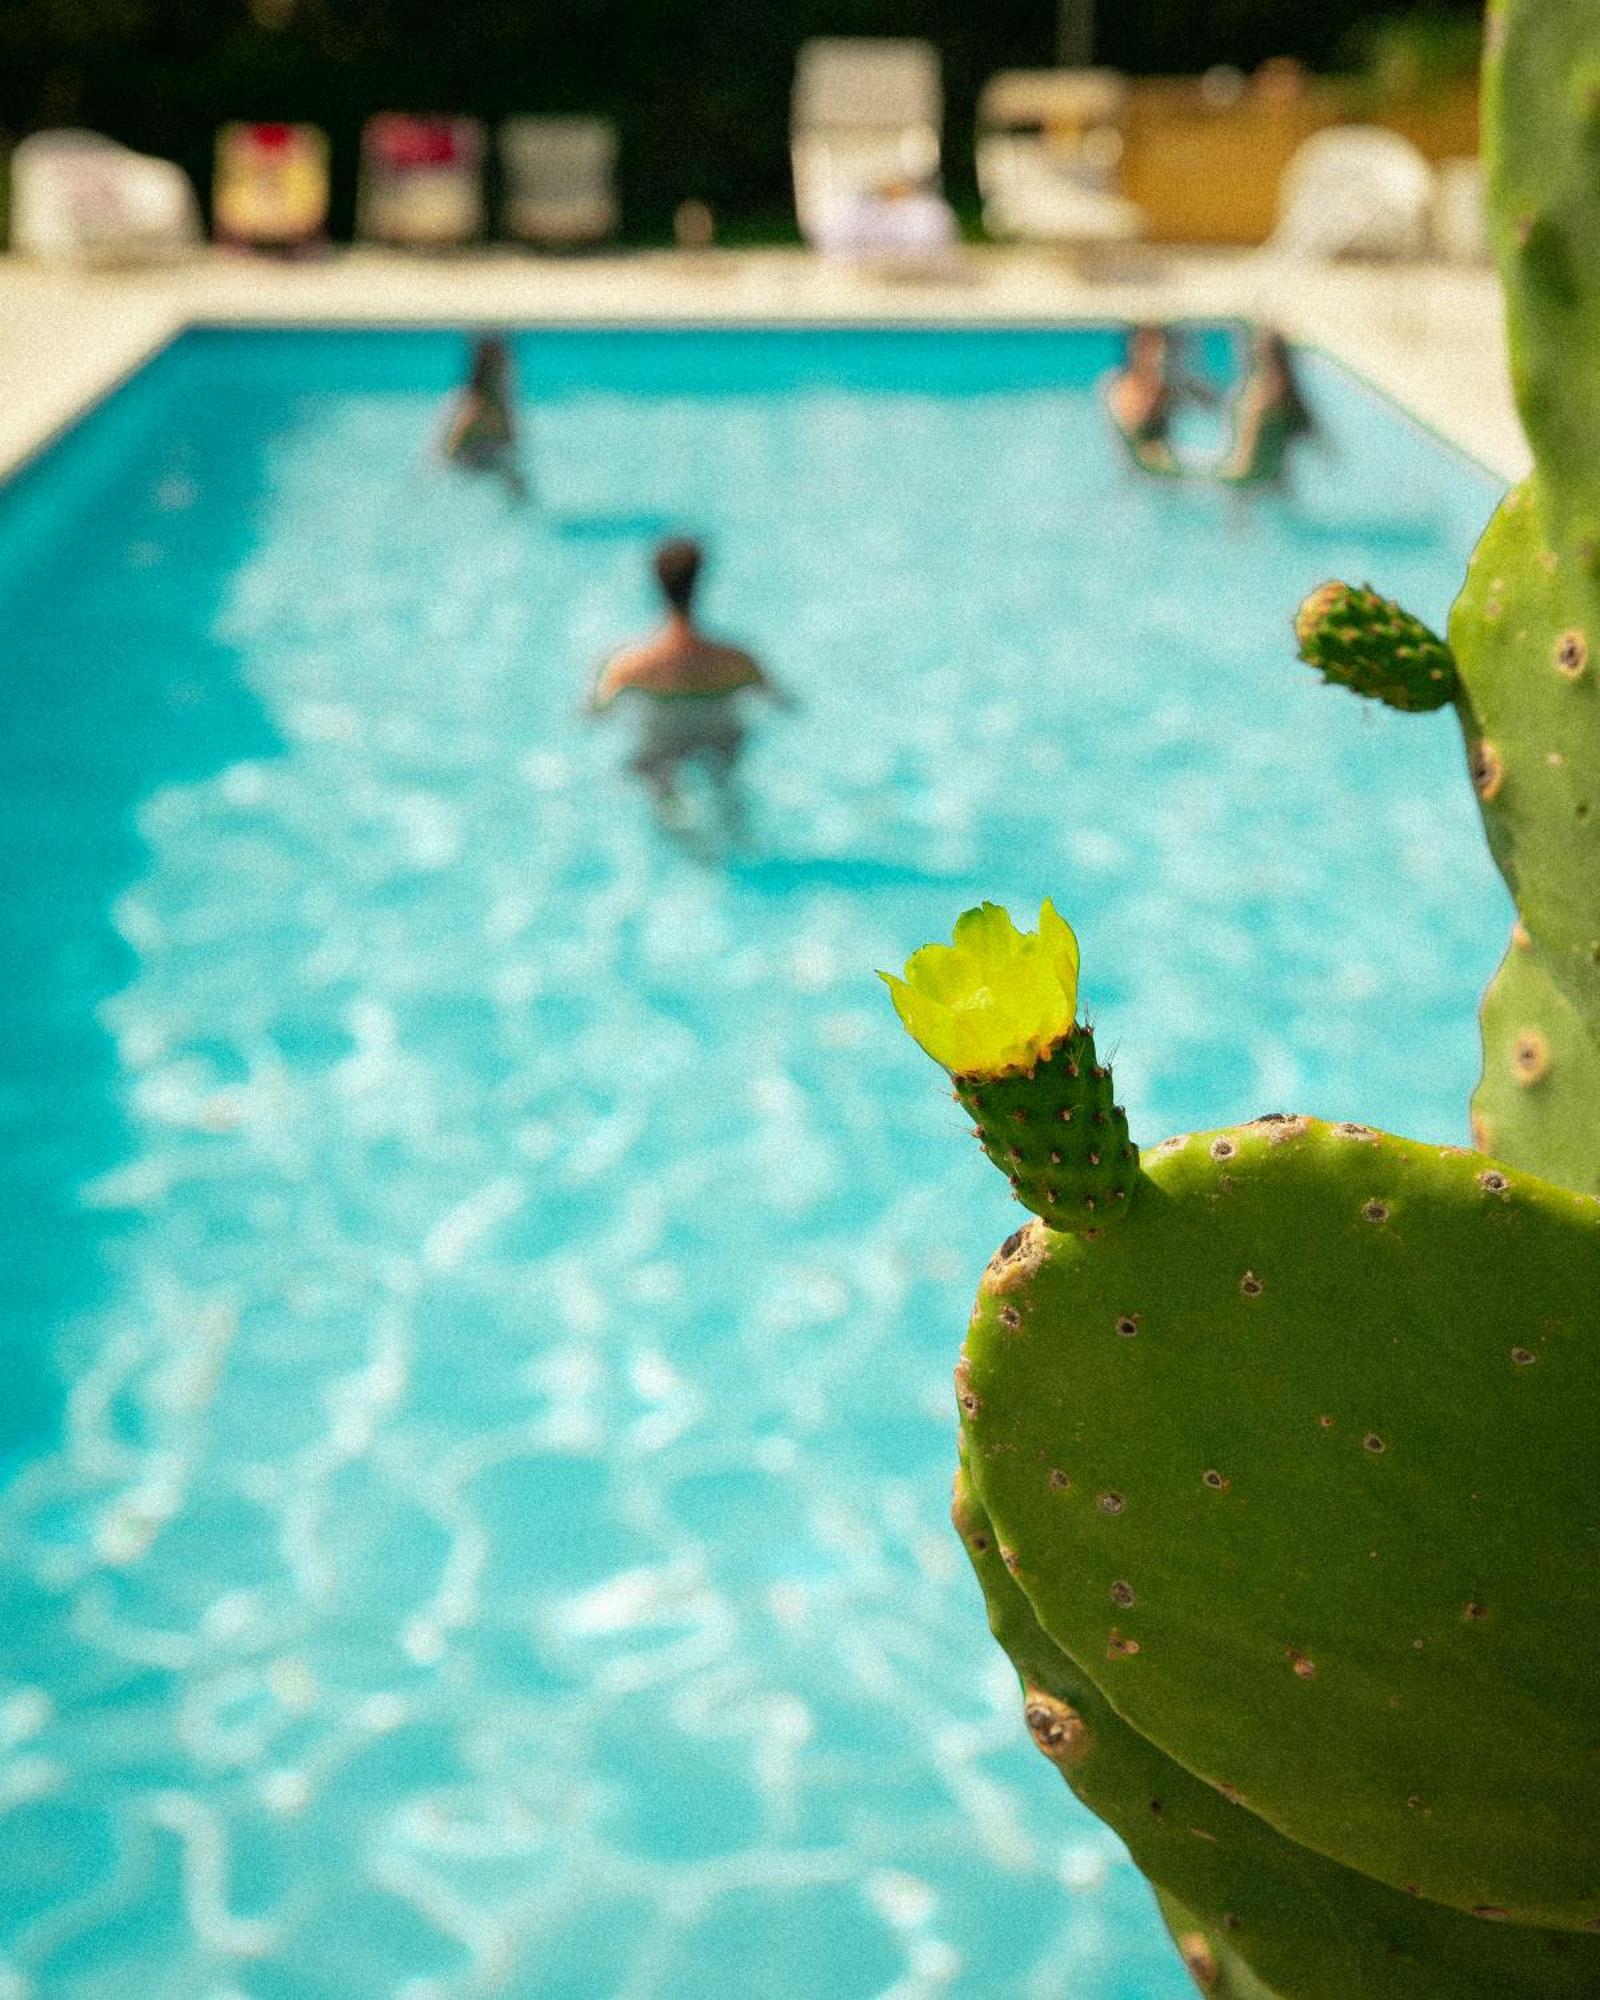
[483,1278]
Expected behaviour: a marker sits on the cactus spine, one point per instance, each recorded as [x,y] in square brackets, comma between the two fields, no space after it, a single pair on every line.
[1525,630]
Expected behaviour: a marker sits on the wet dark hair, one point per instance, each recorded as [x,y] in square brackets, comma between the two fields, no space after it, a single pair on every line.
[491,363]
[1297,411]
[1145,329]
[677,567]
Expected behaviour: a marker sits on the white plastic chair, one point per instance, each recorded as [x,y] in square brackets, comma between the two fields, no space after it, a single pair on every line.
[421,184]
[1353,191]
[271,186]
[560,180]
[1461,213]
[1048,148]
[81,198]
[865,145]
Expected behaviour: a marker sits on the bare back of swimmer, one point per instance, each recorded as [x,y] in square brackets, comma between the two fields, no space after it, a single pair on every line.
[691,689]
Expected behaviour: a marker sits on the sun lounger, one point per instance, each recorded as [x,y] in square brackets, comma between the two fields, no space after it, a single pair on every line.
[865,145]
[1353,191]
[421,185]
[81,198]
[271,189]
[1049,145]
[559,176]
[1461,212]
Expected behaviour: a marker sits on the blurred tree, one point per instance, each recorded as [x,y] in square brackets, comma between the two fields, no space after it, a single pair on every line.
[700,88]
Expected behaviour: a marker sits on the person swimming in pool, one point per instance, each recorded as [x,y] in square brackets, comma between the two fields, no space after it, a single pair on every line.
[1141,399]
[1144,395]
[1270,416]
[688,688]
[481,435]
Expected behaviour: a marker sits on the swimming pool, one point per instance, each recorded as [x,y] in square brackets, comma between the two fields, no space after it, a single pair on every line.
[484,1276]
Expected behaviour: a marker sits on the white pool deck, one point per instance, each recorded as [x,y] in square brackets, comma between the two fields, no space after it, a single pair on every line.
[1431,336]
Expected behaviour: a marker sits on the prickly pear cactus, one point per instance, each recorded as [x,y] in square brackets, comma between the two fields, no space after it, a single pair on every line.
[1278,1477]
[1254,1916]
[1523,661]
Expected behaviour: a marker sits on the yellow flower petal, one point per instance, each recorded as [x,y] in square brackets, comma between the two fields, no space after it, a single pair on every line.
[996,998]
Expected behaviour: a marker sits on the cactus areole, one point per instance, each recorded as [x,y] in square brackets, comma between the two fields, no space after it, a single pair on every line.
[1283,1495]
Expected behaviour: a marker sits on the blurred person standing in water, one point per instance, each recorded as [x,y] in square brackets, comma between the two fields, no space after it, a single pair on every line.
[481,435]
[1270,415]
[1146,393]
[688,689]
[1141,397]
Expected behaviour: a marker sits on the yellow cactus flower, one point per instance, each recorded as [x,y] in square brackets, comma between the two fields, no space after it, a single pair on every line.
[996,998]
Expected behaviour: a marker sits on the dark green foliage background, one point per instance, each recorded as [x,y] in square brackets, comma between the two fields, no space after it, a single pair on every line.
[700,88]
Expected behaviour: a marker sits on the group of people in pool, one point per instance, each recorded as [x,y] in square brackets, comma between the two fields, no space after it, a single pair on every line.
[690,689]
[1268,414]
[693,690]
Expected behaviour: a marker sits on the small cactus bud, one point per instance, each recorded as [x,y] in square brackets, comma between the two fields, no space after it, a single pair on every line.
[1361,640]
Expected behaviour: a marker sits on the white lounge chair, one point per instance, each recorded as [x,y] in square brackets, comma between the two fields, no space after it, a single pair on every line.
[864,145]
[271,186]
[1461,212]
[560,180]
[1048,150]
[421,185]
[1353,191]
[81,198]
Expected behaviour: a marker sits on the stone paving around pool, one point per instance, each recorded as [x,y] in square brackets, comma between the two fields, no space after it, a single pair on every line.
[1430,335]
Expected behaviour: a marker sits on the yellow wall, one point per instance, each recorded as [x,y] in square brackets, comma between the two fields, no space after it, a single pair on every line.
[1206,175]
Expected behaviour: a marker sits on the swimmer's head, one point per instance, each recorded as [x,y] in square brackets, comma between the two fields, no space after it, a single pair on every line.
[491,364]
[677,567]
[1147,347]
[1269,349]
[1273,362]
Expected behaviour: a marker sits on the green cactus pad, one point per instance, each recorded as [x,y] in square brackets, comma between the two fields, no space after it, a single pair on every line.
[1542,152]
[1525,631]
[1539,1096]
[1252,1914]
[1526,628]
[1528,622]
[1296,1464]
[1361,640]
[1208,1956]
